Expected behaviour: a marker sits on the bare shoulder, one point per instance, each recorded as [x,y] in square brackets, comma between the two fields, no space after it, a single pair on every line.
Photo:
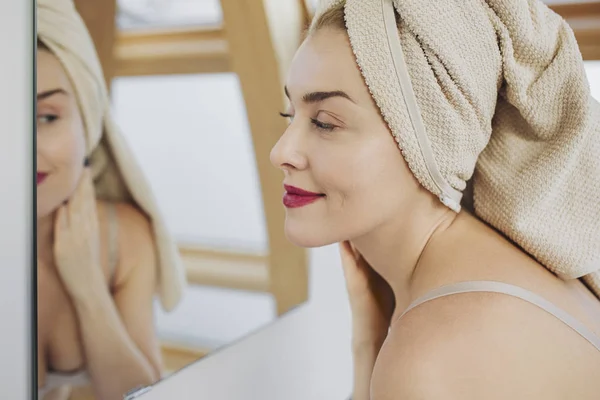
[482,345]
[135,237]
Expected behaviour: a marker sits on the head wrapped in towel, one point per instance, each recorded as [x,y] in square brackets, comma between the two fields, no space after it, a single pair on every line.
[492,94]
[117,176]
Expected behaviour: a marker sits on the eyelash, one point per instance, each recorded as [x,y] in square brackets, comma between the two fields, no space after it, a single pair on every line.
[51,117]
[322,126]
[318,124]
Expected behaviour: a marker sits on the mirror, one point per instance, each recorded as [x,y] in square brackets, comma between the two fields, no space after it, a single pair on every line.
[159,216]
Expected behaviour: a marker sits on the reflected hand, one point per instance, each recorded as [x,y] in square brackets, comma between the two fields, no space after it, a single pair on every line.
[371,299]
[76,241]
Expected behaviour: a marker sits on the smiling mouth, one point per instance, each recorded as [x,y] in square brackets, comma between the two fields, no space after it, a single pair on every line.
[295,197]
[41,177]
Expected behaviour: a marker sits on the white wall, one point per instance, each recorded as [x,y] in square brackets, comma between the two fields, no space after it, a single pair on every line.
[191,137]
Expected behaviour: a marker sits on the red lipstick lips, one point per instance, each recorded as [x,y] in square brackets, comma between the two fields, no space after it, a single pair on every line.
[295,197]
[41,177]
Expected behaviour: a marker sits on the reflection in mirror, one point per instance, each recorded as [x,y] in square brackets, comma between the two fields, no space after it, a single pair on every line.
[160,235]
[183,129]
[102,245]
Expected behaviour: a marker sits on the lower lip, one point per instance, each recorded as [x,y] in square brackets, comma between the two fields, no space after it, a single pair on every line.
[41,178]
[296,201]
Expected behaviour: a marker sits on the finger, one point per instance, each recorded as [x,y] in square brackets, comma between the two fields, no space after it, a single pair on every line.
[88,194]
[88,180]
[347,252]
[350,267]
[83,199]
[61,222]
[75,199]
[85,183]
[85,188]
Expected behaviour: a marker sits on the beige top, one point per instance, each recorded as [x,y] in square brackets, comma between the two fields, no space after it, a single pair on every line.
[510,290]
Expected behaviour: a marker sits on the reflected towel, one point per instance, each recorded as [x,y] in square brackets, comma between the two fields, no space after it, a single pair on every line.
[502,102]
[117,176]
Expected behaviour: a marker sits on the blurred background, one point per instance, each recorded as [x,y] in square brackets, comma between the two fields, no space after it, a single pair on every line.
[191,84]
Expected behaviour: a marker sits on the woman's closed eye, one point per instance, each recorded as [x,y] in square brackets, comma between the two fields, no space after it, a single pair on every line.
[319,125]
[323,126]
[286,115]
[47,118]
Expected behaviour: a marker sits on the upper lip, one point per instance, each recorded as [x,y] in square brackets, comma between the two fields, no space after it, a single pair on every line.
[300,192]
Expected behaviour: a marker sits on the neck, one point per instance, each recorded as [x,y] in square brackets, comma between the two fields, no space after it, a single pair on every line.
[395,249]
[45,236]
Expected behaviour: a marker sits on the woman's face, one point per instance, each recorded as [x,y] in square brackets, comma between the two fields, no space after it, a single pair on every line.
[338,146]
[60,135]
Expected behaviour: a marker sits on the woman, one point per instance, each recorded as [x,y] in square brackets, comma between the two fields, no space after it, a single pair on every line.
[447,303]
[102,247]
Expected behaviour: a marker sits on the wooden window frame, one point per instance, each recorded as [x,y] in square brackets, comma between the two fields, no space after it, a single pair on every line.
[584,19]
[171,51]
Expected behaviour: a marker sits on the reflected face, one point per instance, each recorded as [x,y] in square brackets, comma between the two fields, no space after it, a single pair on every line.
[338,147]
[60,135]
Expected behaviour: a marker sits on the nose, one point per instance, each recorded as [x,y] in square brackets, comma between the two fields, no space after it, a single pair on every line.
[287,154]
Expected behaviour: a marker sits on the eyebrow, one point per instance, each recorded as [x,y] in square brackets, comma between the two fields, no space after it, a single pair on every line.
[49,93]
[316,97]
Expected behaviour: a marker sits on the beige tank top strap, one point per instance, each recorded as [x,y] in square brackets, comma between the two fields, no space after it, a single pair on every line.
[510,290]
[113,239]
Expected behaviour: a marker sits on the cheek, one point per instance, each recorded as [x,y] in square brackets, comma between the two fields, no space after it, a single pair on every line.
[358,177]
[386,180]
[62,145]
[61,152]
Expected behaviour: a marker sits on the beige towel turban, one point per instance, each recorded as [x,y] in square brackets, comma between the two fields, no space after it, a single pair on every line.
[496,91]
[117,175]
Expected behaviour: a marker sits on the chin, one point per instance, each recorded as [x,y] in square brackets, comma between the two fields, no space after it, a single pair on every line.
[43,212]
[305,235]
[47,206]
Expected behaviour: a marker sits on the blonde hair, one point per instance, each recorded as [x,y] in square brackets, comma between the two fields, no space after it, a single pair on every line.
[332,18]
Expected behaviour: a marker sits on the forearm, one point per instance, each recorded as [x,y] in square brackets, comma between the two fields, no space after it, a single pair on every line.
[114,362]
